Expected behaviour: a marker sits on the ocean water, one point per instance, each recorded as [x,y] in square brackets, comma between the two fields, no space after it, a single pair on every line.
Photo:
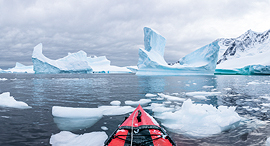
[36,125]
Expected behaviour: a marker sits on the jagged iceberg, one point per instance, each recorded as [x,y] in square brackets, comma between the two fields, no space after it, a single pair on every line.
[245,55]
[151,60]
[73,63]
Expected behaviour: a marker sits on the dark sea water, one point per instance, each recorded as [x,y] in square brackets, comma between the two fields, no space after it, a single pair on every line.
[34,126]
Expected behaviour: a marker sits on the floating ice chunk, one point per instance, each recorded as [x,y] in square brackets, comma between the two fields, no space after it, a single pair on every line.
[160,108]
[104,128]
[66,138]
[267,143]
[208,86]
[142,102]
[115,103]
[200,97]
[115,110]
[227,89]
[8,101]
[71,124]
[3,79]
[266,97]
[200,120]
[150,95]
[171,98]
[253,83]
[71,112]
[203,93]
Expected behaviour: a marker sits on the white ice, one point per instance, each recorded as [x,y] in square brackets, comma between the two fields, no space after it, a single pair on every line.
[115,103]
[200,120]
[73,63]
[66,138]
[142,102]
[151,58]
[203,93]
[171,98]
[267,143]
[3,79]
[20,68]
[150,95]
[70,118]
[8,101]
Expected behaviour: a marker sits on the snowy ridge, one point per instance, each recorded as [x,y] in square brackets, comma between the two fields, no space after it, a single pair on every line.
[246,54]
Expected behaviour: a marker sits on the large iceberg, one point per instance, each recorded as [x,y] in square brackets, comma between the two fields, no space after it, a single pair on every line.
[245,55]
[151,58]
[73,63]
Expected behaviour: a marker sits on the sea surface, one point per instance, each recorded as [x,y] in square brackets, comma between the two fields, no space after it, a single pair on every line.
[35,126]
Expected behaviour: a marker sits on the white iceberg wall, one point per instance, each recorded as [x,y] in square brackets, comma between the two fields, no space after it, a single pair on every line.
[151,59]
[74,62]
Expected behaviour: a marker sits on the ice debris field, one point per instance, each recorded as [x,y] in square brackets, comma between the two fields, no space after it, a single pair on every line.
[186,117]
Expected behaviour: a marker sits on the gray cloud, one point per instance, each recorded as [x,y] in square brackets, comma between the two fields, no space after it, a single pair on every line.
[115,28]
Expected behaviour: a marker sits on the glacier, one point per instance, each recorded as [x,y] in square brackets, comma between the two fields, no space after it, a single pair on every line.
[73,63]
[247,54]
[151,58]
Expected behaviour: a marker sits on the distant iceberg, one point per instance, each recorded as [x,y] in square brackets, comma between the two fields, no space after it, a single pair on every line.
[73,63]
[20,68]
[151,58]
[247,54]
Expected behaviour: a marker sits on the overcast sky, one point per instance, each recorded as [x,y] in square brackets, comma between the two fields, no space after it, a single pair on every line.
[114,28]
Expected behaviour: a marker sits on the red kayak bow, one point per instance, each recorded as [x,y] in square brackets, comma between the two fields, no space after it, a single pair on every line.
[139,129]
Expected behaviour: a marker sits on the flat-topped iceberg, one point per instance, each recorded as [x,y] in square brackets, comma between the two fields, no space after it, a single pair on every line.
[73,63]
[151,58]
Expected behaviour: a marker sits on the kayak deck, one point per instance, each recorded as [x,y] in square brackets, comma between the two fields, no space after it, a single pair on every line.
[139,129]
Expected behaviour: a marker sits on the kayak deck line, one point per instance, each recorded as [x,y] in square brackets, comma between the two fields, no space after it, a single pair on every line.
[140,131]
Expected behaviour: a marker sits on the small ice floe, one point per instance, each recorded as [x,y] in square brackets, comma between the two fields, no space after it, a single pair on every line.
[208,87]
[142,102]
[227,89]
[267,143]
[115,103]
[200,120]
[66,138]
[253,83]
[69,118]
[171,98]
[203,93]
[104,128]
[160,108]
[3,79]
[200,97]
[150,95]
[265,97]
[8,101]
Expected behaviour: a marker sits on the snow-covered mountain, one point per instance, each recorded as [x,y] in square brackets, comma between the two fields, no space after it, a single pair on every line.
[246,54]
